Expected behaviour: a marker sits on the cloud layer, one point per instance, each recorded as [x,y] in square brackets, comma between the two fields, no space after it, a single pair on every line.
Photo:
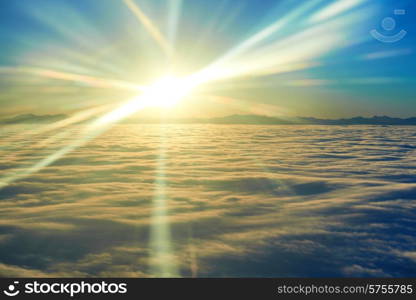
[241,201]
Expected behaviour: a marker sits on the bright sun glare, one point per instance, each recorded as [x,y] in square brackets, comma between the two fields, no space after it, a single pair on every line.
[167,91]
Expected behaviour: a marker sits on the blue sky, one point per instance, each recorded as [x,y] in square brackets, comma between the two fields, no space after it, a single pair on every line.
[355,75]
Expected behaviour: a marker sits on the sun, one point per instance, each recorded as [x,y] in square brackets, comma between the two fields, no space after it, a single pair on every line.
[164,93]
[167,91]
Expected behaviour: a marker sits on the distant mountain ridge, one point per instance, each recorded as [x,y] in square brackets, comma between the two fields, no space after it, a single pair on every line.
[232,119]
[266,120]
[376,120]
[33,119]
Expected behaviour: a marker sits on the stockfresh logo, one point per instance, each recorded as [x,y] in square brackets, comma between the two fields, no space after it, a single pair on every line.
[12,290]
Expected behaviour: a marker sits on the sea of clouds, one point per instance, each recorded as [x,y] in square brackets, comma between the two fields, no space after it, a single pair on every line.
[240,201]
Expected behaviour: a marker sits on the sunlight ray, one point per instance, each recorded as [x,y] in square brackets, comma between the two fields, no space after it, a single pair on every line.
[154,95]
[174,14]
[297,51]
[265,33]
[150,27]
[78,117]
[335,9]
[84,79]
[162,258]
